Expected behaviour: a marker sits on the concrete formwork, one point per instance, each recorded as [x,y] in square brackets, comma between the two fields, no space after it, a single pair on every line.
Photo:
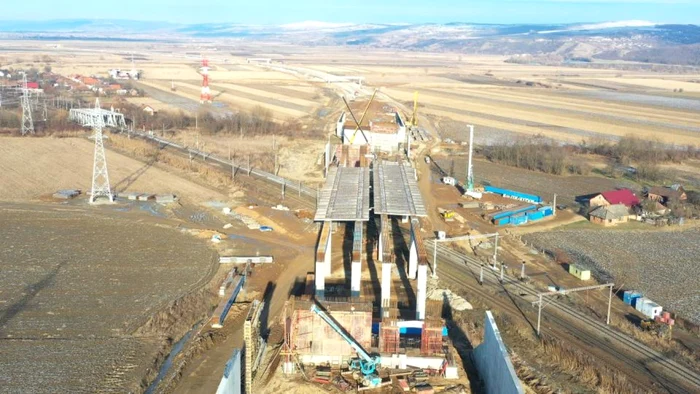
[313,336]
[389,336]
[493,362]
[431,341]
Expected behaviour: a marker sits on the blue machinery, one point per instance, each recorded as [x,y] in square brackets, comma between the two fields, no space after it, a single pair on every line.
[365,363]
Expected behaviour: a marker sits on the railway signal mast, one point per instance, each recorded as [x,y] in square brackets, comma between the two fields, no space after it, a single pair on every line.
[205,96]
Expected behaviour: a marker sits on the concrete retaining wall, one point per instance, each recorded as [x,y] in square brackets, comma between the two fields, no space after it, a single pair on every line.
[231,381]
[493,362]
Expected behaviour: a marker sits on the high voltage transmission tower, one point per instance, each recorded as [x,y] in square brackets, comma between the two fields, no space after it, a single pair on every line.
[27,121]
[100,178]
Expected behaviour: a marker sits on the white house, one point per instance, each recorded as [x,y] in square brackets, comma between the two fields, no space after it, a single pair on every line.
[382,127]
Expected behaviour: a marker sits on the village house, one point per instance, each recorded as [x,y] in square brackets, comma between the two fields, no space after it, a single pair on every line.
[612,197]
[149,110]
[666,195]
[610,215]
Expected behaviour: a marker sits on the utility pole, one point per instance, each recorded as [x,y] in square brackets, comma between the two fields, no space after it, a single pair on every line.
[470,170]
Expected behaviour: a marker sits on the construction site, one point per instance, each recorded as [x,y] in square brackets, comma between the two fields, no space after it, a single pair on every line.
[334,239]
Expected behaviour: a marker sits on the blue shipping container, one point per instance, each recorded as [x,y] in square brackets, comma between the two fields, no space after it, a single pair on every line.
[536,215]
[513,194]
[513,212]
[546,210]
[628,295]
[518,219]
[502,221]
[636,298]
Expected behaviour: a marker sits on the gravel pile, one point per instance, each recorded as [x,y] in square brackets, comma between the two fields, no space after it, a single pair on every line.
[662,265]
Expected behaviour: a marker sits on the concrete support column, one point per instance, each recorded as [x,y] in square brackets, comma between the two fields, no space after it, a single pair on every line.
[386,285]
[328,251]
[412,258]
[320,279]
[356,273]
[380,242]
[421,291]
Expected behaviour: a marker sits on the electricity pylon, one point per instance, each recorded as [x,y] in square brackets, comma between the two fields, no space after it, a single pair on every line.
[27,121]
[100,177]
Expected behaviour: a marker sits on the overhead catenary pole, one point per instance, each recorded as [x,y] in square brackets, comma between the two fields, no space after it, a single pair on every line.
[567,291]
[470,170]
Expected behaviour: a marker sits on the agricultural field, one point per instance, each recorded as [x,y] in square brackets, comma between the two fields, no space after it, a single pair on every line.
[661,264]
[73,298]
[566,187]
[36,167]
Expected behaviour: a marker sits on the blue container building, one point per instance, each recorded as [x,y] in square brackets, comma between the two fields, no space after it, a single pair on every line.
[514,194]
[630,296]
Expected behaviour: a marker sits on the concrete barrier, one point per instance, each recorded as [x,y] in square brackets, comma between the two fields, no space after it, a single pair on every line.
[231,381]
[493,362]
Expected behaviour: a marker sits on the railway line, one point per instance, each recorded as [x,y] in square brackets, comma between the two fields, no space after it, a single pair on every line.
[258,180]
[644,366]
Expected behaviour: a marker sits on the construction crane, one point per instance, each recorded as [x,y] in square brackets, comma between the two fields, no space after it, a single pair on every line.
[358,124]
[365,363]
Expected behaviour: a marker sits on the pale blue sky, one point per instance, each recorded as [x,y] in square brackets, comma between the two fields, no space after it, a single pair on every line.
[358,11]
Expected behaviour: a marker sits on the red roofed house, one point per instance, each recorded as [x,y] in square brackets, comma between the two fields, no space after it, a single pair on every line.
[612,197]
[32,85]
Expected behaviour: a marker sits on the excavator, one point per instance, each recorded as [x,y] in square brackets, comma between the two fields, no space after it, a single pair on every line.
[364,363]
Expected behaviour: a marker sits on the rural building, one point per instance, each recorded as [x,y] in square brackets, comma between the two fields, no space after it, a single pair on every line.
[90,81]
[116,73]
[149,110]
[382,126]
[33,85]
[613,197]
[610,215]
[666,195]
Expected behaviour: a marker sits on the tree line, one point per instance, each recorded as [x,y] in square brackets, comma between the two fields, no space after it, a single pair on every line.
[544,155]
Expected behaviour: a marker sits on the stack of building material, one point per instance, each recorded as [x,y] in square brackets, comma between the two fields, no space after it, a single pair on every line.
[665,318]
[145,197]
[322,375]
[66,194]
[341,384]
[165,198]
[424,388]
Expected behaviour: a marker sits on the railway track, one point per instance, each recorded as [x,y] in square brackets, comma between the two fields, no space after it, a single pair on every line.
[647,367]
[260,181]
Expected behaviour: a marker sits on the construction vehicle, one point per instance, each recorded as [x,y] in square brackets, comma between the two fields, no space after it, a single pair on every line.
[447,214]
[365,363]
[660,328]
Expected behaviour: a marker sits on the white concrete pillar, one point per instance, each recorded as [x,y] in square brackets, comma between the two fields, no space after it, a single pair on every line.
[421,291]
[380,242]
[320,279]
[412,258]
[327,255]
[356,273]
[386,285]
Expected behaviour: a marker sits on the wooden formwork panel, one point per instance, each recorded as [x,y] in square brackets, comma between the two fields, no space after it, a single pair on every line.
[312,335]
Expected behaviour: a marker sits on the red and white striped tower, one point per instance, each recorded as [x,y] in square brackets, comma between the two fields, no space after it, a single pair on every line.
[205,97]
